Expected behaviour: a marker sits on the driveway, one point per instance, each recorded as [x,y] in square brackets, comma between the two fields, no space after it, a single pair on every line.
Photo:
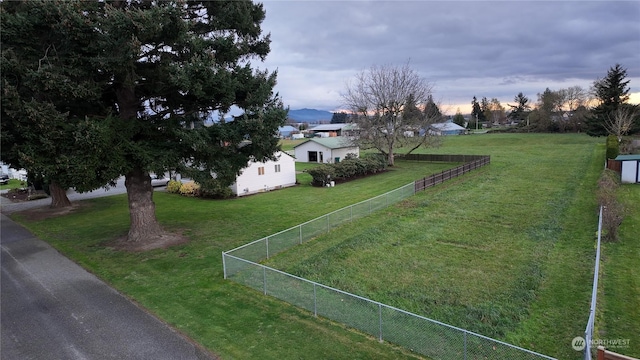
[51,308]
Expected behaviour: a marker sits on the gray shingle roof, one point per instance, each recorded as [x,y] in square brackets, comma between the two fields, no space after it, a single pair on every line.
[336,142]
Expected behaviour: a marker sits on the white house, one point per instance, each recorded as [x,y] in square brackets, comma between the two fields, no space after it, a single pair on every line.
[264,176]
[630,168]
[325,150]
[447,128]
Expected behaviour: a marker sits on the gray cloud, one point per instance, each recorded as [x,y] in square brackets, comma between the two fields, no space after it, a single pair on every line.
[466,48]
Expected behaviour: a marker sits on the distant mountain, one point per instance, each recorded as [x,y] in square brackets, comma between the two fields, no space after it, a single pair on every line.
[310,115]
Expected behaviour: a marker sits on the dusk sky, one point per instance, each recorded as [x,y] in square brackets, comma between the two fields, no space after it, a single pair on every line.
[464,48]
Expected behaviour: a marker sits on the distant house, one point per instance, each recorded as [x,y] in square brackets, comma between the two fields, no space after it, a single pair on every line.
[325,150]
[20,174]
[447,128]
[630,172]
[286,131]
[265,176]
[328,130]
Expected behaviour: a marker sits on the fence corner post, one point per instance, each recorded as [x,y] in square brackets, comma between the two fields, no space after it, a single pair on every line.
[224,266]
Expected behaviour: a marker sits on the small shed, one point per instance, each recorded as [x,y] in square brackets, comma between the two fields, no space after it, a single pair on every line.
[265,176]
[325,150]
[630,172]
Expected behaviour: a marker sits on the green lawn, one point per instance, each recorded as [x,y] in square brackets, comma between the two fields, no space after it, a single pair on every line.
[13,184]
[506,250]
[184,285]
[619,296]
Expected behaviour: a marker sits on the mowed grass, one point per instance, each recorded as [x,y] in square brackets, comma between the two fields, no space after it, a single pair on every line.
[618,315]
[483,252]
[506,250]
[184,285]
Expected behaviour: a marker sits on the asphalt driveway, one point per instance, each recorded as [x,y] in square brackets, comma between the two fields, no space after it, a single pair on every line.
[51,308]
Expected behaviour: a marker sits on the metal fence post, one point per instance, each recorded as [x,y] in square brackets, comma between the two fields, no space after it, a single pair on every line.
[224,266]
[267,243]
[264,279]
[315,301]
[380,321]
[465,345]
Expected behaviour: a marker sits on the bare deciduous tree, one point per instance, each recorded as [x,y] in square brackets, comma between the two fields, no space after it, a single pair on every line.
[619,123]
[384,100]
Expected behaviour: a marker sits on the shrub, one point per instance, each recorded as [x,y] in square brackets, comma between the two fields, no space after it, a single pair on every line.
[189,189]
[349,168]
[613,147]
[173,186]
[321,174]
[612,209]
[214,189]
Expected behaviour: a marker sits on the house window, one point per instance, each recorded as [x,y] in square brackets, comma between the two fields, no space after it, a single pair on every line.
[313,156]
[277,168]
[261,170]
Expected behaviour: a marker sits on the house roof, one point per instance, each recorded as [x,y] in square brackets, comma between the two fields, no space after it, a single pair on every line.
[628,157]
[447,126]
[286,128]
[336,142]
[328,127]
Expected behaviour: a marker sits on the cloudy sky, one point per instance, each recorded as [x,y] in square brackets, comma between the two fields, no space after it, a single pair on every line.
[492,49]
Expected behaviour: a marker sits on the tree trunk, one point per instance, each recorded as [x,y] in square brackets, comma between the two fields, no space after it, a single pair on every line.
[59,197]
[142,209]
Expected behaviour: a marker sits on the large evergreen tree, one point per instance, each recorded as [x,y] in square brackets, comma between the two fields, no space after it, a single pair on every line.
[611,92]
[521,109]
[476,110]
[50,97]
[432,110]
[148,72]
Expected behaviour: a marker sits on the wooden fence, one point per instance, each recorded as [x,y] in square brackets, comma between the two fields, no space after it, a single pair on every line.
[471,162]
[604,354]
[614,165]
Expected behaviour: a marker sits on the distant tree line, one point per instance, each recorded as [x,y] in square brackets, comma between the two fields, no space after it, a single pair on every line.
[602,110]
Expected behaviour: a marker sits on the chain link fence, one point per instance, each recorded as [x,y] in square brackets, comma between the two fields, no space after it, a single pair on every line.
[266,247]
[588,332]
[419,334]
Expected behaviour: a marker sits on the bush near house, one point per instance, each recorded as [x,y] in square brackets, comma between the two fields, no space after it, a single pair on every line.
[212,189]
[613,147]
[351,167]
[173,186]
[189,189]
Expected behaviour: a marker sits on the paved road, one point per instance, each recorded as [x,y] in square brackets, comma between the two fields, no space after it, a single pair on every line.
[50,308]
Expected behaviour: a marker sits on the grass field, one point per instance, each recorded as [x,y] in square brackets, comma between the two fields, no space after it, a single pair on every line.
[506,251]
[13,184]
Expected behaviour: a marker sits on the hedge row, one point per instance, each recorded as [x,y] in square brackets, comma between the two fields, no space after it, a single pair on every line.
[350,167]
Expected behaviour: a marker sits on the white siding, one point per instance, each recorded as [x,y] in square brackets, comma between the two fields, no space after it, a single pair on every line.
[251,182]
[328,155]
[630,171]
[342,153]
